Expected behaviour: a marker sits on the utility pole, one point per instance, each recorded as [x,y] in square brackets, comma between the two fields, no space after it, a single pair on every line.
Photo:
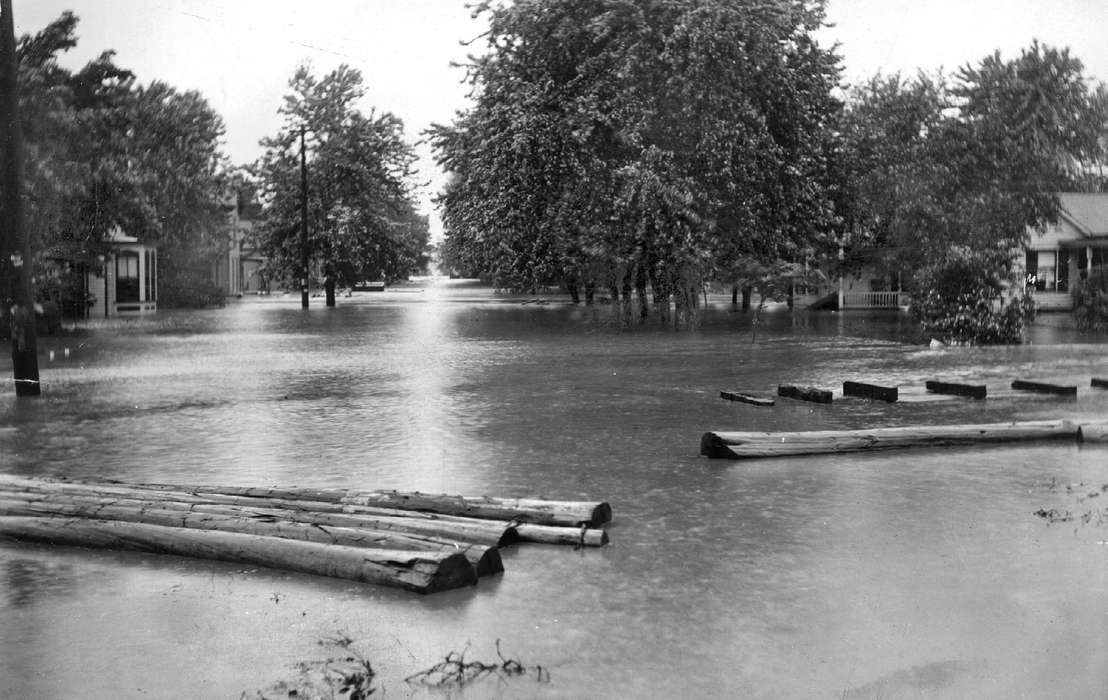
[15,247]
[303,222]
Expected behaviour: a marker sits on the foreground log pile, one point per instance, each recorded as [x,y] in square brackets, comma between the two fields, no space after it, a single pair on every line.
[419,542]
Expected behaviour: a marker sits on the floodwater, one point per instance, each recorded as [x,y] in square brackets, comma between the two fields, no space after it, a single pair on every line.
[901,574]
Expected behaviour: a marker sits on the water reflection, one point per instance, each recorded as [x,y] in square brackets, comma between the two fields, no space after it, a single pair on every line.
[32,581]
[895,573]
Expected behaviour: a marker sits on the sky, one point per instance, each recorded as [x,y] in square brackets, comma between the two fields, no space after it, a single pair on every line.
[240,54]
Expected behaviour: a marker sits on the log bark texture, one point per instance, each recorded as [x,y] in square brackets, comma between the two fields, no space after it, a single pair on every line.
[422,572]
[525,510]
[485,559]
[738,445]
[492,533]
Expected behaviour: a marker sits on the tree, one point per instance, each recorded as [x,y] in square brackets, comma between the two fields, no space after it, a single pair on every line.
[106,151]
[949,179]
[624,144]
[362,215]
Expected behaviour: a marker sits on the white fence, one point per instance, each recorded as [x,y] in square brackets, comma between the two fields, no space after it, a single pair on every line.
[874,300]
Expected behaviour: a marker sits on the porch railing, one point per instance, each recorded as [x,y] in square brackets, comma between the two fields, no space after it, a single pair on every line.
[874,300]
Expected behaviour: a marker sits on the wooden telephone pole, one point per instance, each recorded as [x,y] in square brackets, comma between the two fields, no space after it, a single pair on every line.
[303,223]
[15,247]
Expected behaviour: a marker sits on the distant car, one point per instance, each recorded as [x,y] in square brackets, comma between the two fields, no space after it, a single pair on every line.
[369,287]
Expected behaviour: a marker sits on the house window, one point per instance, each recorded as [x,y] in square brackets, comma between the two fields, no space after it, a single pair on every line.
[1063,270]
[127,277]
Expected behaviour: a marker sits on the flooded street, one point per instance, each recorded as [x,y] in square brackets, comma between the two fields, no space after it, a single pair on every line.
[893,574]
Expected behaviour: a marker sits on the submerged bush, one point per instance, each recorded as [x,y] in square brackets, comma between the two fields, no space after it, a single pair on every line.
[964,298]
[1090,308]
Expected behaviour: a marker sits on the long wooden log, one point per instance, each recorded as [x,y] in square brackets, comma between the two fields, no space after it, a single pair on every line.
[474,530]
[551,534]
[1044,388]
[485,559]
[746,398]
[738,445]
[975,391]
[524,510]
[871,391]
[448,530]
[422,572]
[804,393]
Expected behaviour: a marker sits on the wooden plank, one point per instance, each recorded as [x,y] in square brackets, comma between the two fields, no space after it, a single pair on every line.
[738,445]
[1099,383]
[804,393]
[974,391]
[421,572]
[746,398]
[871,391]
[1044,388]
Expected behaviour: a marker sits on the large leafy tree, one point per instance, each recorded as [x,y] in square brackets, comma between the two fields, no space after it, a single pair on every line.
[623,143]
[947,179]
[106,151]
[362,215]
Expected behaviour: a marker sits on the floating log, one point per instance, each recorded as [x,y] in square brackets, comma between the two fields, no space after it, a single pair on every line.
[738,445]
[804,393]
[746,398]
[524,510]
[422,572]
[975,391]
[492,533]
[1043,388]
[485,559]
[1093,432]
[550,534]
[871,391]
[1099,383]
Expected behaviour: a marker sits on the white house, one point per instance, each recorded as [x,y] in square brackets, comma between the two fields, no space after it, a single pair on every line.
[126,282]
[1058,258]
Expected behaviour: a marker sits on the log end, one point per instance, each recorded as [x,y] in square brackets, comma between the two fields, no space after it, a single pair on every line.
[454,571]
[713,447]
[490,563]
[601,513]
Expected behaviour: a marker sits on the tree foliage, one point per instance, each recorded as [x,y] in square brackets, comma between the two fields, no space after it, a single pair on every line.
[939,168]
[105,151]
[362,217]
[623,143]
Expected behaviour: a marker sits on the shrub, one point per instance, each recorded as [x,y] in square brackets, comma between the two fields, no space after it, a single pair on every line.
[1090,308]
[964,298]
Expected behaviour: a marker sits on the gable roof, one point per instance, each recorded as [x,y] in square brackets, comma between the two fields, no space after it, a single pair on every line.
[1088,211]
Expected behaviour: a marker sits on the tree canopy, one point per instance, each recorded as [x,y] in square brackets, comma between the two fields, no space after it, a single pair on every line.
[362,217]
[946,178]
[618,143]
[104,151]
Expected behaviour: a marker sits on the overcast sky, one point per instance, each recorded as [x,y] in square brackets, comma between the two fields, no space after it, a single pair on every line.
[241,53]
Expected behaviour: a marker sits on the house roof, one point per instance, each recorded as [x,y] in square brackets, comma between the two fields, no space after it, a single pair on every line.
[1087,211]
